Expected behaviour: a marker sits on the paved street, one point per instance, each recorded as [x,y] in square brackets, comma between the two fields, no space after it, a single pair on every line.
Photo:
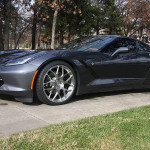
[16,117]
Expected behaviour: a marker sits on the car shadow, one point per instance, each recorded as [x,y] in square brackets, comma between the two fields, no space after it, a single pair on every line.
[105,94]
[36,102]
[6,98]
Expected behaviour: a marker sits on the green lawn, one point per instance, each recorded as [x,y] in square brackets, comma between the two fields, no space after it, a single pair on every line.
[128,129]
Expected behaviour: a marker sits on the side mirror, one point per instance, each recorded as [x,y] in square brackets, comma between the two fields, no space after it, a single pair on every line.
[120,50]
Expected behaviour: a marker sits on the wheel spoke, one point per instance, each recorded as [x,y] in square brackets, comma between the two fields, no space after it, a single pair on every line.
[57,71]
[64,92]
[69,90]
[53,73]
[48,76]
[68,79]
[67,73]
[50,94]
[48,89]
[47,82]
[60,97]
[62,75]
[71,85]
[55,96]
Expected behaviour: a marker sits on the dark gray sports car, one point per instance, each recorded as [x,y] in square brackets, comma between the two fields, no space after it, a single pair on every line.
[101,63]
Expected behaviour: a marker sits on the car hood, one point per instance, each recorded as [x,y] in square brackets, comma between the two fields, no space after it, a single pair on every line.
[13,55]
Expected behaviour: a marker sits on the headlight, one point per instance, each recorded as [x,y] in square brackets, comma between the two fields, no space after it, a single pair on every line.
[18,62]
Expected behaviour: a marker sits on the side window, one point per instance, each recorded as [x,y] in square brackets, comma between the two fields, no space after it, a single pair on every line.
[113,46]
[142,47]
[131,44]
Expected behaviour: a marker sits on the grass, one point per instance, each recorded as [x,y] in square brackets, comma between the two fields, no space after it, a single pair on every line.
[123,130]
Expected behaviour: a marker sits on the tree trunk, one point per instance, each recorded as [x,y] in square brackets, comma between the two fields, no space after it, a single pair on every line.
[141,32]
[97,29]
[34,29]
[69,33]
[15,35]
[61,36]
[54,28]
[17,43]
[110,31]
[38,33]
[6,26]
[10,42]
[1,37]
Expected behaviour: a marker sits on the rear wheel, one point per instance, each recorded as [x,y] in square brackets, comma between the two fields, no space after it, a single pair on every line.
[56,83]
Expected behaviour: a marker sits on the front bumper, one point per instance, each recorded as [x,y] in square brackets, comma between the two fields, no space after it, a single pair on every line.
[16,81]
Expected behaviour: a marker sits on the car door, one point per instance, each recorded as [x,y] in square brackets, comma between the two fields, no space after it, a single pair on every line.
[144,60]
[124,70]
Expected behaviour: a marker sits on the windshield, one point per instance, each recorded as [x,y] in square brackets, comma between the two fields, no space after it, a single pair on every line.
[93,43]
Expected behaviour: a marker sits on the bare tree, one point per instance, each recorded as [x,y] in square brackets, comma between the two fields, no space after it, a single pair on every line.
[54,29]
[6,25]
[34,26]
[20,35]
[1,36]
[56,7]
[136,16]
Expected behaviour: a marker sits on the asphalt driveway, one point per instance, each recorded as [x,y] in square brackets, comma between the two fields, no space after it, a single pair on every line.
[16,117]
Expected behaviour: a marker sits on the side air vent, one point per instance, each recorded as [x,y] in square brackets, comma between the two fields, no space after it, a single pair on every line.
[1,81]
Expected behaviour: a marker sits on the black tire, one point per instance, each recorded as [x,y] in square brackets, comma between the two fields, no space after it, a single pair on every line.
[39,84]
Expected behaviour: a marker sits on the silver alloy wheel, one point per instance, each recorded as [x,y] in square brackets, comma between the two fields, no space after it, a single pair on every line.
[58,83]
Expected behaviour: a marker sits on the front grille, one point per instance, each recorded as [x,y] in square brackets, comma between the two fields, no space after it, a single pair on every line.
[1,81]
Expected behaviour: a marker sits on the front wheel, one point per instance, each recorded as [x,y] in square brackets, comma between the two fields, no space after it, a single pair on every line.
[56,83]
